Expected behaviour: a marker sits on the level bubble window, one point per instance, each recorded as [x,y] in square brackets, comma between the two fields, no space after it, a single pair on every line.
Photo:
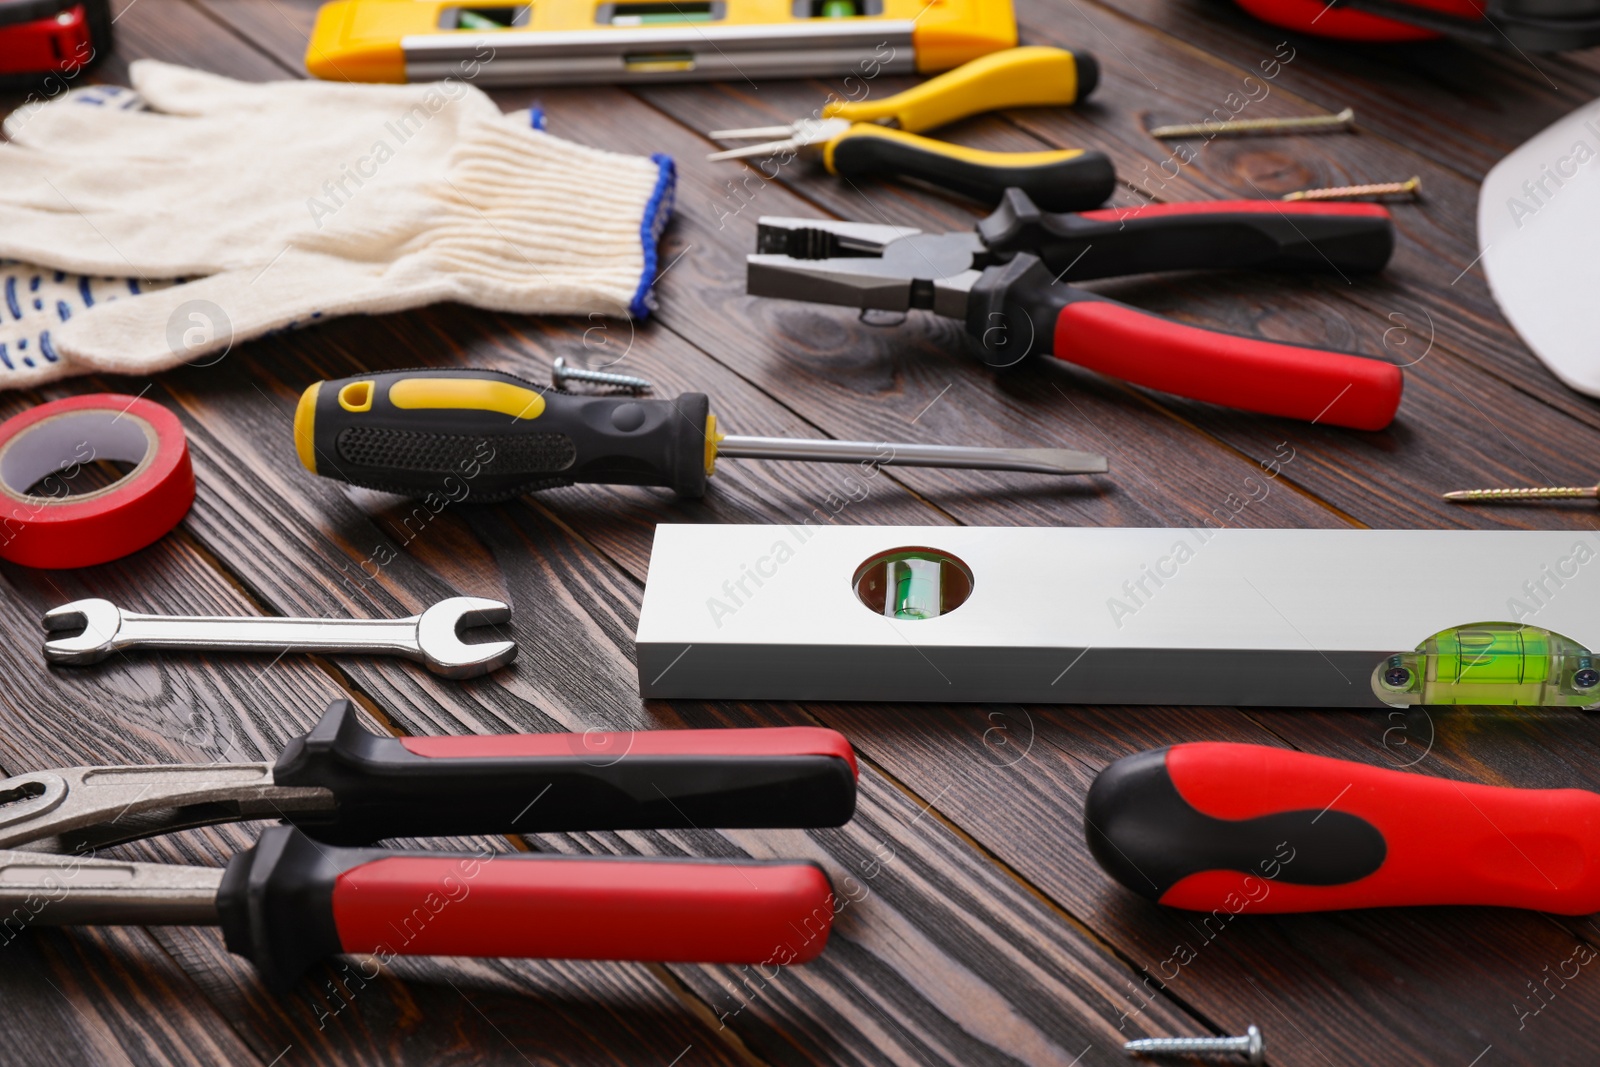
[1491,663]
[913,583]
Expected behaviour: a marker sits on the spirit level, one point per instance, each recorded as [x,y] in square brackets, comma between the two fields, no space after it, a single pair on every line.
[1325,618]
[39,38]
[580,41]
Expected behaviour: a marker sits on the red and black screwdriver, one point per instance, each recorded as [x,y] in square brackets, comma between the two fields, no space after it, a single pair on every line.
[1212,826]
[485,435]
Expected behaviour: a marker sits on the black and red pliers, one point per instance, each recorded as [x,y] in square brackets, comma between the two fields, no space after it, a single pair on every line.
[302,893]
[1008,280]
[1230,828]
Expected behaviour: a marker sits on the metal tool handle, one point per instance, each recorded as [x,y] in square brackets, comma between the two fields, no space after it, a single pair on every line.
[1211,235]
[1034,76]
[484,435]
[1250,827]
[534,783]
[288,902]
[253,633]
[1061,180]
[1018,307]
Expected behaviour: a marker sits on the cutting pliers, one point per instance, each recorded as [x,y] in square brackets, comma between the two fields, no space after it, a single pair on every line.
[301,894]
[1006,280]
[869,137]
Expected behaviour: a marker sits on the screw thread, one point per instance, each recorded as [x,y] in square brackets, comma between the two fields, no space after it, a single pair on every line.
[1178,1046]
[1563,492]
[1344,120]
[1409,187]
[561,374]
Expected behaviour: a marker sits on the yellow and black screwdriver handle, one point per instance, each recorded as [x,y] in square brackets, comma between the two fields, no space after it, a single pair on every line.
[883,138]
[484,435]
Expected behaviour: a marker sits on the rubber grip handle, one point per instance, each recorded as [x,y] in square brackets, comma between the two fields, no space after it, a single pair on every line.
[1061,180]
[548,783]
[1215,235]
[483,435]
[568,907]
[1248,827]
[1032,76]
[288,902]
[1269,377]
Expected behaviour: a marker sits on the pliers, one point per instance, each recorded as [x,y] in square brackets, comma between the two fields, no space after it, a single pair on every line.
[866,137]
[1005,279]
[300,894]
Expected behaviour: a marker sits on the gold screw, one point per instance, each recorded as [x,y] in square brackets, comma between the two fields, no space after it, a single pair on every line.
[1517,496]
[1411,189]
[1344,120]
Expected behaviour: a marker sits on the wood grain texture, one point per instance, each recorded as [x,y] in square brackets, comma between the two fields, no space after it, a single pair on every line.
[977,928]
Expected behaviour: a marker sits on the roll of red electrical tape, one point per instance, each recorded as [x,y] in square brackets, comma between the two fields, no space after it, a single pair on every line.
[50,445]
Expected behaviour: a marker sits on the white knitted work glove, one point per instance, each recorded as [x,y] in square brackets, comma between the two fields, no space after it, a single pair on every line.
[291,201]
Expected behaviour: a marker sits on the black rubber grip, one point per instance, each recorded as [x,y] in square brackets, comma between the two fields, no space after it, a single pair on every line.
[275,904]
[1149,838]
[1255,235]
[441,787]
[1076,183]
[480,454]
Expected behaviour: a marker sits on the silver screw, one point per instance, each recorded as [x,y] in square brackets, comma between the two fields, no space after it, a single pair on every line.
[561,374]
[1251,1045]
[1344,120]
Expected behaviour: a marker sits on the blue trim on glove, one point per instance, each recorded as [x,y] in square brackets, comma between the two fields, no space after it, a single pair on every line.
[657,213]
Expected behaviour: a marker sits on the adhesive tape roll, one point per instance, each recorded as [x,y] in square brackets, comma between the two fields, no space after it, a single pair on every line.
[52,442]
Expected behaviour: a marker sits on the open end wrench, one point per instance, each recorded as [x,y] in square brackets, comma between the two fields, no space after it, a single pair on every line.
[431,638]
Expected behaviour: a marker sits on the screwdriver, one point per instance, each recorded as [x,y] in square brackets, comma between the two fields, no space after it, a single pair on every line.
[1230,828]
[867,137]
[485,435]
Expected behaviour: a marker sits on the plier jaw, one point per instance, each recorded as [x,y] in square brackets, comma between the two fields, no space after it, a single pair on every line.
[865,265]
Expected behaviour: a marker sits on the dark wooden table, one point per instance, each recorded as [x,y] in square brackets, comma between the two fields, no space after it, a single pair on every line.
[986,933]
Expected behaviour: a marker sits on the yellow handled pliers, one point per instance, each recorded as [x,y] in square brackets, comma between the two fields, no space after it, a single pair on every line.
[859,138]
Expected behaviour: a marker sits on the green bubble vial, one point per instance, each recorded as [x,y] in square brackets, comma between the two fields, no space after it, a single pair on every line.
[1491,663]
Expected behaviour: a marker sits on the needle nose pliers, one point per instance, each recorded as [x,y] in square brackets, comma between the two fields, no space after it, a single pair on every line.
[858,138]
[301,893]
[1007,280]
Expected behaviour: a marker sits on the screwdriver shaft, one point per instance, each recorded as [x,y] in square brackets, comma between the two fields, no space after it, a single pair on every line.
[1034,460]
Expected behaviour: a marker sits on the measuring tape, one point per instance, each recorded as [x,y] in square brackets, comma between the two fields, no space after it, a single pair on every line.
[45,449]
[566,42]
[39,38]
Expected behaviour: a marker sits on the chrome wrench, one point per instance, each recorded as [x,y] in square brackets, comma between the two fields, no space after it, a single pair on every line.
[431,638]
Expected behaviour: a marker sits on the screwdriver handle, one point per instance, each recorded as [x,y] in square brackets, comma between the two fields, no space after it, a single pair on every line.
[387,787]
[1017,308]
[289,902]
[1033,76]
[485,435]
[1250,827]
[1210,235]
[1061,179]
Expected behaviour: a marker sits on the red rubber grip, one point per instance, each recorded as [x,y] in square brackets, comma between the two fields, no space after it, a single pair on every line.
[1238,372]
[1446,842]
[758,742]
[548,907]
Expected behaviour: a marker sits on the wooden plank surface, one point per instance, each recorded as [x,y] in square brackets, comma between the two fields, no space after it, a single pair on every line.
[984,932]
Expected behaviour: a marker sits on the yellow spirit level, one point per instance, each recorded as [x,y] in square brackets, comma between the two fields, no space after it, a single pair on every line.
[555,42]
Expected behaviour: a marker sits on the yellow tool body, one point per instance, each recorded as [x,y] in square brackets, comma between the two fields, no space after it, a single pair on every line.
[552,42]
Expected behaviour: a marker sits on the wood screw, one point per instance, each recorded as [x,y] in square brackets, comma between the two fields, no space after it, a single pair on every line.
[1411,189]
[1514,496]
[1251,1045]
[1344,120]
[561,374]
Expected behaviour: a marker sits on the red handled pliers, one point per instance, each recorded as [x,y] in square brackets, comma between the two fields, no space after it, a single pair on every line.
[1007,280]
[301,894]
